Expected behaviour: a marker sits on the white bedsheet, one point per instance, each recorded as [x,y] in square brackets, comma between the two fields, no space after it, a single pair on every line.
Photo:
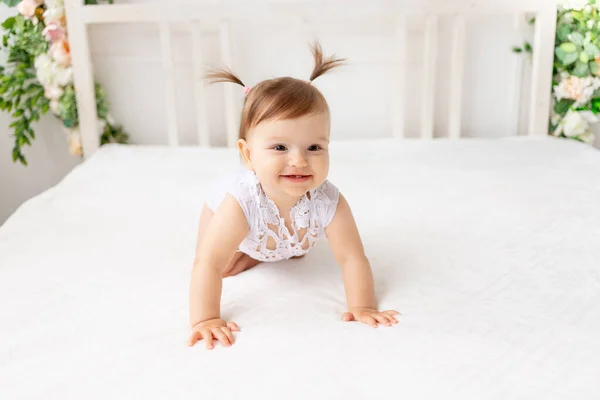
[490,249]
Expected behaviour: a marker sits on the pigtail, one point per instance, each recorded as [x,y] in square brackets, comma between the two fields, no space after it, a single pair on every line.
[323,66]
[222,75]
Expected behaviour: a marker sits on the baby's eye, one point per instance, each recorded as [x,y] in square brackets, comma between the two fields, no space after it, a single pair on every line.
[314,147]
[279,147]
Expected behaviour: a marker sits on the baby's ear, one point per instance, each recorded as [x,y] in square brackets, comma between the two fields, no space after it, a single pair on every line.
[245,153]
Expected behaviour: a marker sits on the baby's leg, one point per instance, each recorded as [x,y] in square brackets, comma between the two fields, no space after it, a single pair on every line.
[239,261]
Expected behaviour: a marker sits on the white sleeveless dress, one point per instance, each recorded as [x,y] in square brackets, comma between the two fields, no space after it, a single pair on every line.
[314,211]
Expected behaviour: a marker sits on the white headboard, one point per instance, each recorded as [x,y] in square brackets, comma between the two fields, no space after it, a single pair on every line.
[227,13]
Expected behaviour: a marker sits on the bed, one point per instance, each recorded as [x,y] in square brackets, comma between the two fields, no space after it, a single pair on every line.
[489,248]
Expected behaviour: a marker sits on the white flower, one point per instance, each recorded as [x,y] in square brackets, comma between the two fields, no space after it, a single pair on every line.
[27,7]
[53,92]
[42,60]
[55,16]
[576,123]
[590,24]
[588,137]
[51,73]
[576,5]
[578,89]
[63,76]
[44,69]
[54,3]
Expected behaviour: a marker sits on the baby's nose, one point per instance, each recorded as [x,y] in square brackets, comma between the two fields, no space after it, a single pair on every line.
[297,159]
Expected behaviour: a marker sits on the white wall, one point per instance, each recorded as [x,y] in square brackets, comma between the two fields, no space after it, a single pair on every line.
[128,63]
[48,158]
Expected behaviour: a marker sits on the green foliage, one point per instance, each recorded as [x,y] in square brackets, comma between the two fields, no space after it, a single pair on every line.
[22,95]
[576,54]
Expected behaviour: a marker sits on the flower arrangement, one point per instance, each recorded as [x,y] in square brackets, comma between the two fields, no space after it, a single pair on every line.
[576,74]
[38,76]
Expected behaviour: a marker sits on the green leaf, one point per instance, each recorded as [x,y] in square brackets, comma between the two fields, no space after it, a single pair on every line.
[576,38]
[527,47]
[570,58]
[11,3]
[23,140]
[592,50]
[595,106]
[563,106]
[517,49]
[583,57]
[560,54]
[581,69]
[68,123]
[594,67]
[577,15]
[563,32]
[568,47]
[9,23]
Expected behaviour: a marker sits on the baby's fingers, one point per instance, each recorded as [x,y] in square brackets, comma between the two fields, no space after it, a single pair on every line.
[391,312]
[207,335]
[228,333]
[220,335]
[194,337]
[348,317]
[233,326]
[382,319]
[369,320]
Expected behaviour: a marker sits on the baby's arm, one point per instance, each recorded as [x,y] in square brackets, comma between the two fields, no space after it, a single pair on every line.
[348,250]
[216,245]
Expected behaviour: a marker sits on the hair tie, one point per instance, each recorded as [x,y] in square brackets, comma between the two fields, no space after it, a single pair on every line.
[246,90]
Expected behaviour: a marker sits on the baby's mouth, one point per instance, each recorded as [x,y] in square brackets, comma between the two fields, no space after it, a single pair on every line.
[296,178]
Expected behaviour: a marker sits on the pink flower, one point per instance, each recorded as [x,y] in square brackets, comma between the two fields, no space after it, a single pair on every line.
[61,52]
[53,33]
[27,7]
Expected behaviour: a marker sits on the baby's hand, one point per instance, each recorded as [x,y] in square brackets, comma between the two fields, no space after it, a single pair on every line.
[216,328]
[371,316]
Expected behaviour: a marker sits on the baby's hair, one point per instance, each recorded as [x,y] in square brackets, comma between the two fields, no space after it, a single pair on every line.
[280,98]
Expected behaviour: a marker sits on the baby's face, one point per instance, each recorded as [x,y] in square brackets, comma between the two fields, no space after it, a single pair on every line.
[290,157]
